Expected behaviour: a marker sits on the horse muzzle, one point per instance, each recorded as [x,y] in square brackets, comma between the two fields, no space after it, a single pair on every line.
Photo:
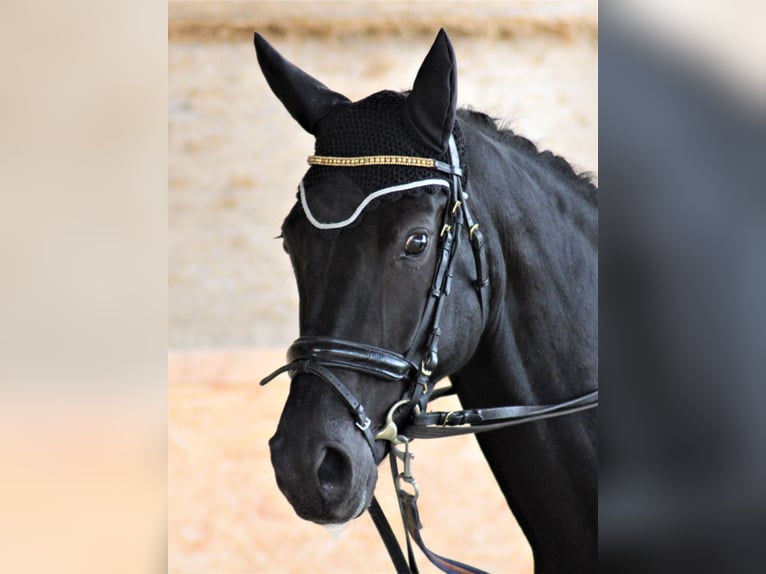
[322,463]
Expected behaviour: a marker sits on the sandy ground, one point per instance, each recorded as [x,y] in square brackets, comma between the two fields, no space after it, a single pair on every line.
[225,513]
[235,158]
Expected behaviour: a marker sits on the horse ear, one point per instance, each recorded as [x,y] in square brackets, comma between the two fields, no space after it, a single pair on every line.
[308,100]
[430,107]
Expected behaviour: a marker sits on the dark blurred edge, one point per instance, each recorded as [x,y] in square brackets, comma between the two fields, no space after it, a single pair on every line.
[683,314]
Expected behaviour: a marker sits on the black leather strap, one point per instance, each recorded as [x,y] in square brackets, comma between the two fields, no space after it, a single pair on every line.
[388,538]
[441,424]
[447,168]
[355,407]
[408,508]
[412,522]
[344,354]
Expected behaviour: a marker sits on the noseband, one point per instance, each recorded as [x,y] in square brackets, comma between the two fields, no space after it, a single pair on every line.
[317,355]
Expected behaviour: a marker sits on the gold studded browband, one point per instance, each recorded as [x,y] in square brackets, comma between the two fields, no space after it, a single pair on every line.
[332,161]
[366,160]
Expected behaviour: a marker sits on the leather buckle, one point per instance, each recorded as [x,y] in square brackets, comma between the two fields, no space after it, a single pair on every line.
[447,417]
[363,427]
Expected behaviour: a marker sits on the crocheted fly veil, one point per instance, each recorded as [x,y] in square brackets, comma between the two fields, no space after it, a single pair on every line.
[337,196]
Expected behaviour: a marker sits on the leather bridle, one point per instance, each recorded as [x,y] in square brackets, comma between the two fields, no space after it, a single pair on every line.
[318,356]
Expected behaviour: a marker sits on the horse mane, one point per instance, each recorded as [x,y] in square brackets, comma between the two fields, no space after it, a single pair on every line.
[497,130]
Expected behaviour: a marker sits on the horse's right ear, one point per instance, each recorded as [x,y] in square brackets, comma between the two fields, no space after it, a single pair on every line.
[432,103]
[308,100]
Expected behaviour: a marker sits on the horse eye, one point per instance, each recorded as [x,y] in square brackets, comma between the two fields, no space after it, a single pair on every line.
[416,243]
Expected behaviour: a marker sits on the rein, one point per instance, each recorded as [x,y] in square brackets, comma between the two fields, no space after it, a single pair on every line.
[318,355]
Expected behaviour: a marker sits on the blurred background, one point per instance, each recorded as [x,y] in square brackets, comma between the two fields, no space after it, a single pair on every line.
[235,158]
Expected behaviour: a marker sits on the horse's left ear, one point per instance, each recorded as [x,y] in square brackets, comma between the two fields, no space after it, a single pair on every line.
[430,108]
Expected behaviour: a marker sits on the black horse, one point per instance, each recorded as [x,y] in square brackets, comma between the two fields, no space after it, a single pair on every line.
[365,239]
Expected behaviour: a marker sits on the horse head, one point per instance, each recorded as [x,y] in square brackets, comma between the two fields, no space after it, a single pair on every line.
[366,241]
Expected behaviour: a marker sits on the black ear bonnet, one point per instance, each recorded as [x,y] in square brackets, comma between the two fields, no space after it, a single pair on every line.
[372,126]
[417,124]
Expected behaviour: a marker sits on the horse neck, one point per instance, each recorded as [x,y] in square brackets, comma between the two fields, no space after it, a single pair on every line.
[539,346]
[541,231]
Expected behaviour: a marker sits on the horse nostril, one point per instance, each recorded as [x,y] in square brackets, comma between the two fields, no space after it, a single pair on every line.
[334,473]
